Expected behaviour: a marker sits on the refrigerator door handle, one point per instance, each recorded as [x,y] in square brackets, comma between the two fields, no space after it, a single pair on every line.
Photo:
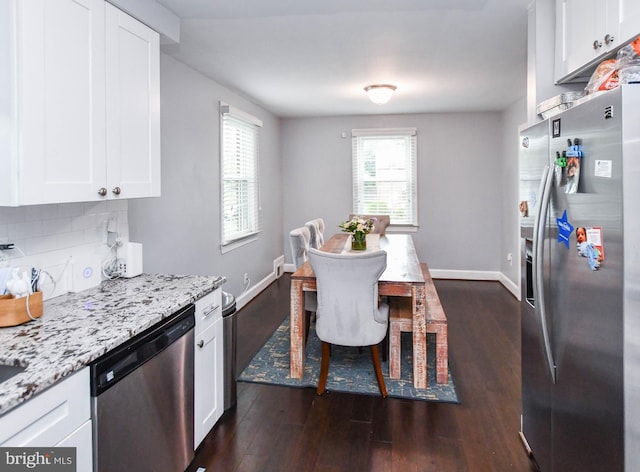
[539,227]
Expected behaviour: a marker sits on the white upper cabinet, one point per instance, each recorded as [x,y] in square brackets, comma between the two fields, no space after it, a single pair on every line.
[589,30]
[53,148]
[63,90]
[629,19]
[133,107]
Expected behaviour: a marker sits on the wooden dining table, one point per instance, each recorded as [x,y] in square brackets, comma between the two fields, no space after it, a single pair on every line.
[402,277]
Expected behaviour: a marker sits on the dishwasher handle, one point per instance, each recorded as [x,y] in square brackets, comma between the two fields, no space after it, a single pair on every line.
[119,362]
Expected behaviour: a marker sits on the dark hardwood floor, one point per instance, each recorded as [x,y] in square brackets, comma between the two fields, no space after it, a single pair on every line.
[290,429]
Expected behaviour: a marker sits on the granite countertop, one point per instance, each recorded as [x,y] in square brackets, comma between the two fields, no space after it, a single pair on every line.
[77,328]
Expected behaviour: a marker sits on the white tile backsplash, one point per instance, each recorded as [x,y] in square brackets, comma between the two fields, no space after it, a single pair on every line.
[25,229]
[41,212]
[50,236]
[39,245]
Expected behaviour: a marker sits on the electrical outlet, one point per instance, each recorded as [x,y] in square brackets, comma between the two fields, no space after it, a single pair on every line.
[510,258]
[246,278]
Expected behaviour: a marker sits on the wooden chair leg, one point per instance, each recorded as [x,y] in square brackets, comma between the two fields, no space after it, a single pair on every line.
[375,355]
[385,346]
[324,367]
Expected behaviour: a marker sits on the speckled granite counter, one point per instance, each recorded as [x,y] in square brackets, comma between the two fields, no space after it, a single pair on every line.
[77,328]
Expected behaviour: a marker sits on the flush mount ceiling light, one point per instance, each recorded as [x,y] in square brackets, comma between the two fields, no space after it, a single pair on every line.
[380,94]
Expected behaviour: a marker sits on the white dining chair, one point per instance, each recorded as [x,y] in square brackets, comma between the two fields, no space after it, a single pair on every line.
[316,231]
[349,313]
[299,241]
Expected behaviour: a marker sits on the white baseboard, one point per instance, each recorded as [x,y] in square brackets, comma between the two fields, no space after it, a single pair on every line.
[254,290]
[509,285]
[278,266]
[478,275]
[464,274]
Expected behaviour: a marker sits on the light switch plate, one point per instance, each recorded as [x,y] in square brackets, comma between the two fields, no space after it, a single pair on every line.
[86,273]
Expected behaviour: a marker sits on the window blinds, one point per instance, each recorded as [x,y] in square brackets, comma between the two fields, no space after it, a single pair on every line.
[384,174]
[240,183]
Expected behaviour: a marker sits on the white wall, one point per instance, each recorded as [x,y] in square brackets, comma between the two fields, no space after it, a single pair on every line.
[460,181]
[181,229]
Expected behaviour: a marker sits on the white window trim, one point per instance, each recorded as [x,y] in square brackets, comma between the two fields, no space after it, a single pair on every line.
[408,131]
[229,246]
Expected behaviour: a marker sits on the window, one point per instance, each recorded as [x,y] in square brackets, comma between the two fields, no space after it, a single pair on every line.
[239,171]
[384,174]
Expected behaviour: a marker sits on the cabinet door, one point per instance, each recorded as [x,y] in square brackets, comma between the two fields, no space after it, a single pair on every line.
[578,27]
[629,19]
[60,98]
[208,381]
[49,417]
[81,439]
[133,107]
[208,310]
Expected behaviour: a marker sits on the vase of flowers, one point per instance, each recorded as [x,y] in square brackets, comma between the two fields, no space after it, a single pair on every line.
[358,228]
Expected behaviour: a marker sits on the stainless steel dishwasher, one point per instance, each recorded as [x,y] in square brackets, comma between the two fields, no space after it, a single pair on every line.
[142,400]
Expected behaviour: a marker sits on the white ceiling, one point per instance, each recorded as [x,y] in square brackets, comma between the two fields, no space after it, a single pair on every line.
[313,58]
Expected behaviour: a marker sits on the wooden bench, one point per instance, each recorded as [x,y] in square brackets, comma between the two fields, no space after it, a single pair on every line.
[401,320]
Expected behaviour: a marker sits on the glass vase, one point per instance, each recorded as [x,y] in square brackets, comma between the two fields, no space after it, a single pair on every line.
[359,241]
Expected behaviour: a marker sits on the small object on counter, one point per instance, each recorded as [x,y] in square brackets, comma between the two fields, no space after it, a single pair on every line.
[20,284]
[17,311]
[555,105]
[35,279]
[5,276]
[524,208]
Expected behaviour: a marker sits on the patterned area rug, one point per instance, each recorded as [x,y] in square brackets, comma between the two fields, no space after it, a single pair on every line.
[349,370]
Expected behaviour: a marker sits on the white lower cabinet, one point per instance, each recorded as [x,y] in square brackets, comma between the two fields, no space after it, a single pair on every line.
[208,365]
[59,416]
[81,439]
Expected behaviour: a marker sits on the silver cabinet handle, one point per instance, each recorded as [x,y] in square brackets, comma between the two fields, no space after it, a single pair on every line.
[201,343]
[597,44]
[116,190]
[608,39]
[102,191]
[210,310]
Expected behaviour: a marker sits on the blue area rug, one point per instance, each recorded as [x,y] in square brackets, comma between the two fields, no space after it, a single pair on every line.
[349,370]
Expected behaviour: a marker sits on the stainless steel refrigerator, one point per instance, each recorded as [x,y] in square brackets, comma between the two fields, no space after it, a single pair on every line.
[580,260]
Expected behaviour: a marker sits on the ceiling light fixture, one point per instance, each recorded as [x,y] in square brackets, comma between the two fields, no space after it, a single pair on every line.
[380,94]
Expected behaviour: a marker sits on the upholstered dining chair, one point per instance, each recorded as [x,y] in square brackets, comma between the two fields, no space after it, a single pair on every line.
[349,313]
[316,230]
[380,224]
[299,240]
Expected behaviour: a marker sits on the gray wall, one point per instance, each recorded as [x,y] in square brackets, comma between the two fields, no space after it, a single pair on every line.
[467,180]
[512,118]
[460,183]
[180,230]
